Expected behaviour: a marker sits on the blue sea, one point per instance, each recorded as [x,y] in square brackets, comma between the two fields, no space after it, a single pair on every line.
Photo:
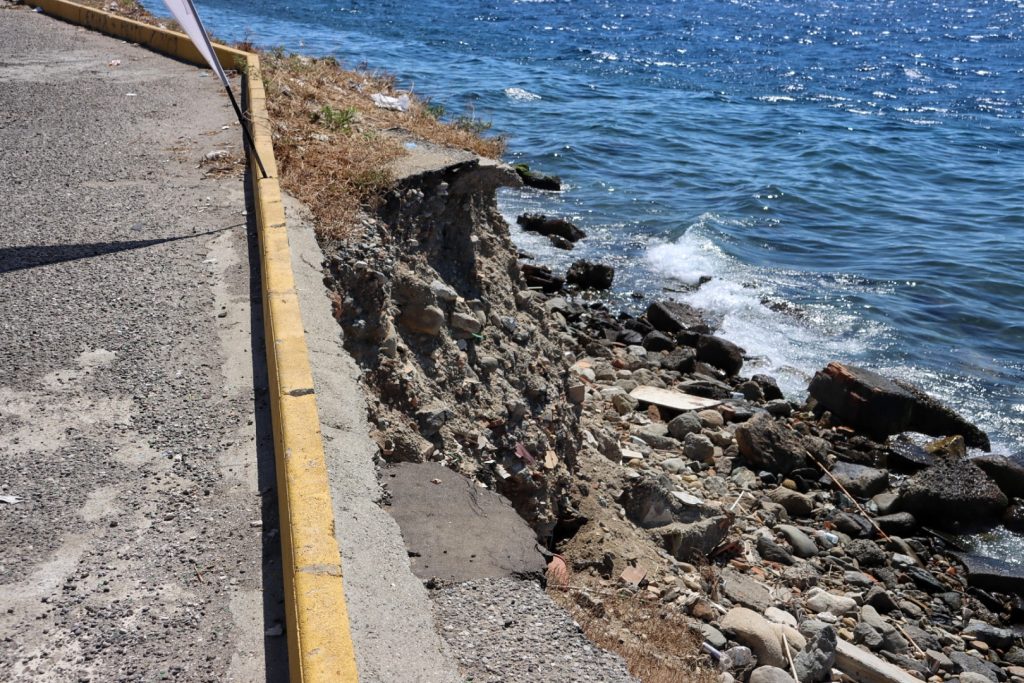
[848,173]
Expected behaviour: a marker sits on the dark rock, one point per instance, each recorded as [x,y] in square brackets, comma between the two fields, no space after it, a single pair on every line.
[681,359]
[707,388]
[649,504]
[751,391]
[924,580]
[541,277]
[1013,516]
[1006,473]
[561,242]
[673,317]
[880,407]
[992,574]
[629,337]
[772,551]
[796,504]
[801,543]
[814,662]
[881,599]
[924,639]
[721,353]
[769,386]
[963,662]
[908,456]
[852,525]
[897,523]
[743,590]
[868,636]
[683,424]
[867,553]
[952,490]
[538,180]
[769,444]
[590,275]
[860,480]
[657,341]
[426,320]
[545,225]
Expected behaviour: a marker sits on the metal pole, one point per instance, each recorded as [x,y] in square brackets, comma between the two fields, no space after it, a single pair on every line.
[245,130]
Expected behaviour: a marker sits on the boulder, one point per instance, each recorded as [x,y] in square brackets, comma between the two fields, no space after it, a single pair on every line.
[673,317]
[683,424]
[721,353]
[952,490]
[545,225]
[860,480]
[769,387]
[1007,474]
[696,540]
[768,444]
[880,407]
[538,180]
[649,504]
[761,636]
[658,341]
[590,275]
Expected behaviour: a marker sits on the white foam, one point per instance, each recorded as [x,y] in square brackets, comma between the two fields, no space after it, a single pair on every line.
[520,94]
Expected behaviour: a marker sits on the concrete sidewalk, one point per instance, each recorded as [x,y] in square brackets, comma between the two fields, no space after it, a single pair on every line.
[138,510]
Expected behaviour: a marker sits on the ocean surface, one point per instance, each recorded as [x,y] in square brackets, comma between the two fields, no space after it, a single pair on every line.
[851,174]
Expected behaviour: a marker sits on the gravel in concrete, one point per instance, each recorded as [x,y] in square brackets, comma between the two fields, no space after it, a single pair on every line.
[510,630]
[130,435]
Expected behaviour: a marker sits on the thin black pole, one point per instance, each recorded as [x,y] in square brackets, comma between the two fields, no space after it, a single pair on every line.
[245,130]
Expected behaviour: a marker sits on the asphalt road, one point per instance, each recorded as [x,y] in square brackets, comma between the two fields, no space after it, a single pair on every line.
[137,510]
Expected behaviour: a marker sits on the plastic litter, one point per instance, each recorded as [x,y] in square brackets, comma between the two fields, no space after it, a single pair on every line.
[10,500]
[400,103]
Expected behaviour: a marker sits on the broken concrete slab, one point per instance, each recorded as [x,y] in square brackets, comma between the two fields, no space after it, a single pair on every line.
[456,531]
[673,400]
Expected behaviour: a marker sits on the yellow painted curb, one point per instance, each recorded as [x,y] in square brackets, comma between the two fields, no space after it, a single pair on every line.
[319,641]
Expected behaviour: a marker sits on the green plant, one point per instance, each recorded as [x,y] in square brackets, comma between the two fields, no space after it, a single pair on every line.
[434,109]
[336,119]
[471,124]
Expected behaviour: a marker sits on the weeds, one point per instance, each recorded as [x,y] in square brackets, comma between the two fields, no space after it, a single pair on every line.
[336,119]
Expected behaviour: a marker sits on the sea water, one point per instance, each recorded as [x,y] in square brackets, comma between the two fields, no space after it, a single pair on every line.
[848,173]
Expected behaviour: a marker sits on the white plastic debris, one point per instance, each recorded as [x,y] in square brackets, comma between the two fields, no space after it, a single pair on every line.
[216,154]
[400,103]
[10,500]
[114,62]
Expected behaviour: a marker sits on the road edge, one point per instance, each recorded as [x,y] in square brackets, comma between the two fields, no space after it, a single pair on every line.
[319,638]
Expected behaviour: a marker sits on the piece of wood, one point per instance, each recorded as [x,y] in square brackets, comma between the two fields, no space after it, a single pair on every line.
[864,667]
[673,400]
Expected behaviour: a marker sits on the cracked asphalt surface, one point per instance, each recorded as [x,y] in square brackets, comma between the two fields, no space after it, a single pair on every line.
[137,514]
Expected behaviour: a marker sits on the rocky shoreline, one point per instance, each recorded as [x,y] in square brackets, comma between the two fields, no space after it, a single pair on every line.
[798,539]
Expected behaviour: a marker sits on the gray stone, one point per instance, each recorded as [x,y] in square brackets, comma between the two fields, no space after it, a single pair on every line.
[698,447]
[886,502]
[801,575]
[814,662]
[995,636]
[819,600]
[673,317]
[867,553]
[675,465]
[860,480]
[769,674]
[965,663]
[802,545]
[952,490]
[897,524]
[693,541]
[762,637]
[868,636]
[683,424]
[465,322]
[656,436]
[713,636]
[745,591]
[721,353]
[880,598]
[796,504]
[624,404]
[768,444]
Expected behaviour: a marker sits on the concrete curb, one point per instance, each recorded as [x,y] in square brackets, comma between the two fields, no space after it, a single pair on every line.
[319,641]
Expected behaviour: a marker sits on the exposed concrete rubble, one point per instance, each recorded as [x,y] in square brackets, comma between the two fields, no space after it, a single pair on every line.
[790,534]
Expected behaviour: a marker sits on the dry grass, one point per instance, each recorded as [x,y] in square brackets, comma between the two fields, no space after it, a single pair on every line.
[654,640]
[333,145]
